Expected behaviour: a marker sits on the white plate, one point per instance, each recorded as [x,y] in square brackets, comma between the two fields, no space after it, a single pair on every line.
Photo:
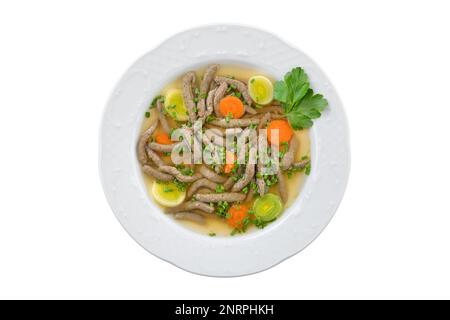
[165,238]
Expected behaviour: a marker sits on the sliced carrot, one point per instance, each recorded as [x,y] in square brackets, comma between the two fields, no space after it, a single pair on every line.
[163,138]
[230,158]
[285,131]
[231,105]
[237,214]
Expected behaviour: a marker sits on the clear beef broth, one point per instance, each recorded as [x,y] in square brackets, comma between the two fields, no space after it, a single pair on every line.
[214,224]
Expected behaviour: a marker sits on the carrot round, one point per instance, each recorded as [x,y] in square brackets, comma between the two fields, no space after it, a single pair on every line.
[231,105]
[237,214]
[163,138]
[230,158]
[285,131]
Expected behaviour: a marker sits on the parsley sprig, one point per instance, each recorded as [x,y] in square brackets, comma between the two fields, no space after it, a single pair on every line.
[298,100]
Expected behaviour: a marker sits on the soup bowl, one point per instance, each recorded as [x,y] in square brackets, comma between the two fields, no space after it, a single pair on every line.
[155,231]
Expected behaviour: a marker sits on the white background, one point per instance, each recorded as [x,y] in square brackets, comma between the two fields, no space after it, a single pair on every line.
[390,62]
